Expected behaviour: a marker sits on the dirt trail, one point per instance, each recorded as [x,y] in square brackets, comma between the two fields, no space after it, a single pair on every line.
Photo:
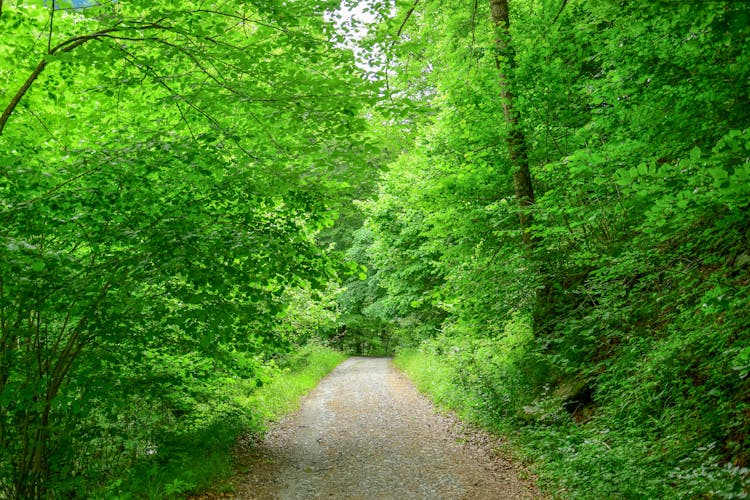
[366,433]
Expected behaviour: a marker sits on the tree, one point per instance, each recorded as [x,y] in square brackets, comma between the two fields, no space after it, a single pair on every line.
[164,171]
[633,118]
[517,148]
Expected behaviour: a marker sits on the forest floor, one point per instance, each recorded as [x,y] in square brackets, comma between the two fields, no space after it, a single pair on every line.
[365,432]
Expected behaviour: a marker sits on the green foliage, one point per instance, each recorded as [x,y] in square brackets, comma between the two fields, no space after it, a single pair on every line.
[198,457]
[486,380]
[164,171]
[365,325]
[191,192]
[299,374]
[634,381]
[310,315]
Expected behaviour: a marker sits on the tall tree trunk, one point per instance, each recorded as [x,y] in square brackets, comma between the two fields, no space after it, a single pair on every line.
[546,296]
[517,149]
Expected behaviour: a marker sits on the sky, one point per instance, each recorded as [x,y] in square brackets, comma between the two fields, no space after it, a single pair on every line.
[359,12]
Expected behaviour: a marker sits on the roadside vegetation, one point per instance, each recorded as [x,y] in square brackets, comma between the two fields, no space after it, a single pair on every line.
[561,251]
[198,456]
[166,171]
[542,205]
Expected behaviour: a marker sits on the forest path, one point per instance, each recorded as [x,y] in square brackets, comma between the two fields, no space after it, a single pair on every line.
[365,432]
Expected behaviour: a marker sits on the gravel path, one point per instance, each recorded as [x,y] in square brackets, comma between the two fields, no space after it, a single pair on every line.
[366,433]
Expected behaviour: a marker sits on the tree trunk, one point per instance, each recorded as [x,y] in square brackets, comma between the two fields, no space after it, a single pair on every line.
[546,295]
[517,149]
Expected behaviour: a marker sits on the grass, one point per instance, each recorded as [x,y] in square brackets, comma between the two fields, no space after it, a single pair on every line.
[434,378]
[201,460]
[283,393]
[610,455]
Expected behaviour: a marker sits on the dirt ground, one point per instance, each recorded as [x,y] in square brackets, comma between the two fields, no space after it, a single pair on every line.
[366,433]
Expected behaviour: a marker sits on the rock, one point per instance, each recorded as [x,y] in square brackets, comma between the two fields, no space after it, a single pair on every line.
[742,260]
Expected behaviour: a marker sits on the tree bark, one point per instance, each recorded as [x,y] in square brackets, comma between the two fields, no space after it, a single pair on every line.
[546,295]
[516,141]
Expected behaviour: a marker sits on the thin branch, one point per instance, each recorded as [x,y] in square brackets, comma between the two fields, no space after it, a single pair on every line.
[46,128]
[187,123]
[387,83]
[21,92]
[301,97]
[57,187]
[398,35]
[244,19]
[564,3]
[51,24]
[38,341]
[76,41]
[408,15]
[146,69]
[184,51]
[474,24]
[265,129]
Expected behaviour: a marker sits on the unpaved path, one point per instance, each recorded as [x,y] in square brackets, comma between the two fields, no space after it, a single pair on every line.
[366,433]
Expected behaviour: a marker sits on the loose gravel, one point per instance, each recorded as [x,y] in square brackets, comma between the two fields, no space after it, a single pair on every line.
[366,433]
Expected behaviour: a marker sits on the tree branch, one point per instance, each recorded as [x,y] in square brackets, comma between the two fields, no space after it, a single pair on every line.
[149,71]
[474,24]
[564,3]
[51,25]
[21,92]
[406,19]
[65,46]
[46,128]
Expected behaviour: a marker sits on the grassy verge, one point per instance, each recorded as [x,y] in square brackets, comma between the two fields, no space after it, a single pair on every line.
[282,394]
[608,453]
[434,378]
[200,459]
[443,383]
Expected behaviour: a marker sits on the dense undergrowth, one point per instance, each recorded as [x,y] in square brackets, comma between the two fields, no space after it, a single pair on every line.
[196,456]
[624,431]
